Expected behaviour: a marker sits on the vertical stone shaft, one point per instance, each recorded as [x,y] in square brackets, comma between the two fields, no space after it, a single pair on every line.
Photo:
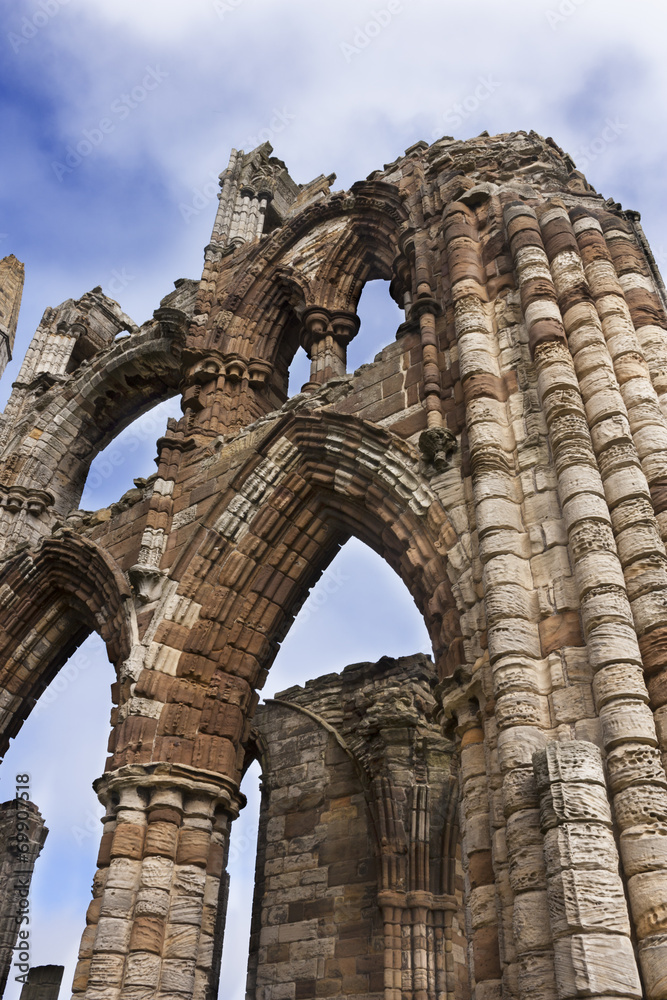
[11,289]
[513,636]
[607,619]
[648,315]
[152,924]
[636,534]
[426,308]
[589,914]
[392,915]
[648,423]
[477,847]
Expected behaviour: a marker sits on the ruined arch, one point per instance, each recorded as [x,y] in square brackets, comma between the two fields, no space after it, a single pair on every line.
[54,596]
[264,310]
[506,455]
[79,418]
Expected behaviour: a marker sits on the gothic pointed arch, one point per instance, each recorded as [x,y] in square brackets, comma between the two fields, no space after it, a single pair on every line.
[54,596]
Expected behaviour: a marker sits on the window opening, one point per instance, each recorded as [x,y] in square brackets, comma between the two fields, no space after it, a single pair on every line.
[359,610]
[62,747]
[299,372]
[129,456]
[380,318]
[241,872]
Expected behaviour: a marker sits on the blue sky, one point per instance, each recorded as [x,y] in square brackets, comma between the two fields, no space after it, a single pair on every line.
[155,93]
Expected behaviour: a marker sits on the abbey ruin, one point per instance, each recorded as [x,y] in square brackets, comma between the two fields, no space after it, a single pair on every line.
[488,824]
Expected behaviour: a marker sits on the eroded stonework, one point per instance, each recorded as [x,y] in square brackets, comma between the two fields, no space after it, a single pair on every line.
[506,454]
[357,869]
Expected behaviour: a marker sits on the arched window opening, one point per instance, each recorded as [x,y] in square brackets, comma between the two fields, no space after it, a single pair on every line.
[380,318]
[241,875]
[62,748]
[359,610]
[299,372]
[128,457]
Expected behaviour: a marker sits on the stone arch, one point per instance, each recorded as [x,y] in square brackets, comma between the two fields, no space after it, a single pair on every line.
[320,260]
[357,479]
[79,417]
[314,481]
[53,597]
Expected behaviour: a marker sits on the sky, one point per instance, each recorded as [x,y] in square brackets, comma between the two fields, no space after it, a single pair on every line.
[117,116]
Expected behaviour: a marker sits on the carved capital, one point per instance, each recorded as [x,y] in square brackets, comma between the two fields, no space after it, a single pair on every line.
[259,372]
[146,582]
[236,367]
[436,445]
[345,326]
[316,325]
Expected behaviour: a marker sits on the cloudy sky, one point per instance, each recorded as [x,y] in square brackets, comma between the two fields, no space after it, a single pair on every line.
[118,115]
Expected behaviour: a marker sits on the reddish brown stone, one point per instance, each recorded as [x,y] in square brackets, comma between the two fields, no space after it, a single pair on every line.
[559,631]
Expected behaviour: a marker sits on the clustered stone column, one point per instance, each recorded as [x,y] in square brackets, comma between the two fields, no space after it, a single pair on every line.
[513,648]
[480,879]
[156,913]
[628,730]
[587,906]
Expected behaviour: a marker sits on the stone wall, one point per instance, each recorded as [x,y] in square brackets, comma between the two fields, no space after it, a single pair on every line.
[358,885]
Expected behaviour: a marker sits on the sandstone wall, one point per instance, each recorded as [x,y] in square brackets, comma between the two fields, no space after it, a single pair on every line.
[505,454]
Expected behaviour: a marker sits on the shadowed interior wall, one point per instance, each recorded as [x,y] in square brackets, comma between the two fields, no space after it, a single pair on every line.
[357,791]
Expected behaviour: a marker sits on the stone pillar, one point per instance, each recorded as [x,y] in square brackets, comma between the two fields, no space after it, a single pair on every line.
[644,301]
[516,882]
[155,915]
[480,878]
[648,424]
[425,308]
[18,819]
[325,338]
[587,906]
[636,775]
[11,290]
[43,983]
